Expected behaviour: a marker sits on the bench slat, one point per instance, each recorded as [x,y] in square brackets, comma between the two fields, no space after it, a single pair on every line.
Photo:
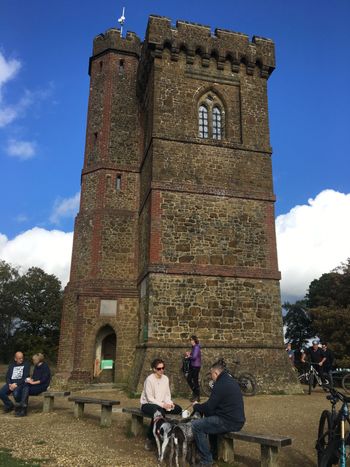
[259,439]
[91,400]
[56,393]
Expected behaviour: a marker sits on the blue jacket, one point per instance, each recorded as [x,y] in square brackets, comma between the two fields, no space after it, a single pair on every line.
[225,401]
[17,373]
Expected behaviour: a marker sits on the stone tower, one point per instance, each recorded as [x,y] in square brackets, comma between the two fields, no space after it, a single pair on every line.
[175,234]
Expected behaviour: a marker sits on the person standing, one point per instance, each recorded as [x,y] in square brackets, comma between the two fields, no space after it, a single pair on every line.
[290,353]
[156,396]
[16,375]
[316,356]
[35,385]
[195,358]
[223,411]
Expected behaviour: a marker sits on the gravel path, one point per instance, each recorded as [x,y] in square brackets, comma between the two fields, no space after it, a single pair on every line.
[61,440]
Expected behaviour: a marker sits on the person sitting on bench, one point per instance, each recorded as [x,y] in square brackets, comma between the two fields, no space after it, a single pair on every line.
[223,412]
[156,396]
[35,385]
[16,374]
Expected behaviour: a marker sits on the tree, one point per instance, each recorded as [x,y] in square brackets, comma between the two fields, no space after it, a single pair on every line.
[328,303]
[30,310]
[40,312]
[333,326]
[298,323]
[8,306]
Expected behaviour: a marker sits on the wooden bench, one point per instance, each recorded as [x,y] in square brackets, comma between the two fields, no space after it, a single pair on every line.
[106,408]
[49,397]
[270,446]
[137,417]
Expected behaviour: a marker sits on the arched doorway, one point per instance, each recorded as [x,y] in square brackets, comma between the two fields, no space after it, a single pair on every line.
[105,354]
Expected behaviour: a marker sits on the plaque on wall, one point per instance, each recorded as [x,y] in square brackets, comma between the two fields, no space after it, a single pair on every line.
[108,308]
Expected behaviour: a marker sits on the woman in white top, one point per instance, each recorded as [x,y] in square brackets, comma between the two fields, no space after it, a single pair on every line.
[156,396]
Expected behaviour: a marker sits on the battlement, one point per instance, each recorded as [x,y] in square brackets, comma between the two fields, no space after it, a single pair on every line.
[112,39]
[193,38]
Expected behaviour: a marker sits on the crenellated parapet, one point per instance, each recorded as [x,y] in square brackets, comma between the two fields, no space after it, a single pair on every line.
[223,45]
[112,40]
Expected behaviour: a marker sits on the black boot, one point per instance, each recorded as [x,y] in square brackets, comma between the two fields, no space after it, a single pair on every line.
[21,413]
[8,408]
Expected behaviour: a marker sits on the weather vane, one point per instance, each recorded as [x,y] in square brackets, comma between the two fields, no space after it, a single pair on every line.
[121,21]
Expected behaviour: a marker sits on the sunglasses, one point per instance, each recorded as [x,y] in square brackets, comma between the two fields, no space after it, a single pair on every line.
[160,368]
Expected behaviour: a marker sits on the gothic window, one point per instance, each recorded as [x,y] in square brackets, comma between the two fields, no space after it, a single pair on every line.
[216,123]
[203,121]
[211,117]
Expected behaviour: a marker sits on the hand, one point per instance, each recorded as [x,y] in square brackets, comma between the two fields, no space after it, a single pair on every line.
[321,363]
[194,403]
[168,405]
[12,386]
[187,354]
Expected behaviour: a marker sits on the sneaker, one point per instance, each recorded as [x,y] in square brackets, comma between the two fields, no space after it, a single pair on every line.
[21,413]
[8,409]
[149,445]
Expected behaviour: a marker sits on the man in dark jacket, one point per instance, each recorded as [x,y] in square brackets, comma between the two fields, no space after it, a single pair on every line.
[224,411]
[16,375]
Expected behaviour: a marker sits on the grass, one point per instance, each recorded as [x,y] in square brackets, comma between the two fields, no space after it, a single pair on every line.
[6,459]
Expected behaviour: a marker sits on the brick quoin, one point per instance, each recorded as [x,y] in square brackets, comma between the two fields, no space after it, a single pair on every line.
[186,244]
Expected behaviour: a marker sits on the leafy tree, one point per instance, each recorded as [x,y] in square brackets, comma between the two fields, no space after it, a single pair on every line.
[30,310]
[332,324]
[40,313]
[8,306]
[298,323]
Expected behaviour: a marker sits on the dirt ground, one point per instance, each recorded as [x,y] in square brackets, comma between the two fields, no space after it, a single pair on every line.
[58,439]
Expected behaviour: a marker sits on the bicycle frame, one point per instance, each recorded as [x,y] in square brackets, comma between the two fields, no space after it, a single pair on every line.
[338,421]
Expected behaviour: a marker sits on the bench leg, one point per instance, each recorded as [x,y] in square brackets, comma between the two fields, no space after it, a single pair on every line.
[78,409]
[48,404]
[226,449]
[136,424]
[269,456]
[106,415]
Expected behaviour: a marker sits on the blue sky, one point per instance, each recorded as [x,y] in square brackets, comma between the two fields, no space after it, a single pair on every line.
[44,53]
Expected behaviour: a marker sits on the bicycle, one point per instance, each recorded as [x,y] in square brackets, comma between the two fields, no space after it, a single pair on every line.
[246,381]
[333,439]
[311,377]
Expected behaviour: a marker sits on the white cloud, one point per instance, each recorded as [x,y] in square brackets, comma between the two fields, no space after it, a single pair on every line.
[10,112]
[21,149]
[8,70]
[67,207]
[50,250]
[312,239]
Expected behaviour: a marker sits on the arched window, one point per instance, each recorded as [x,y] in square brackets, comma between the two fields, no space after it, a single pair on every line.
[217,123]
[211,117]
[203,121]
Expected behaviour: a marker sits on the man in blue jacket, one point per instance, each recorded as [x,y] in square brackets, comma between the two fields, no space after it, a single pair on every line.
[223,411]
[16,375]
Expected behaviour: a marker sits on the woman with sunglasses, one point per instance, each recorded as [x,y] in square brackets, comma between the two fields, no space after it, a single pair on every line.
[156,396]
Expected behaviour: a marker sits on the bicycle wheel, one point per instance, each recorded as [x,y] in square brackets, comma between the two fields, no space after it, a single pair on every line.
[327,450]
[247,384]
[311,382]
[345,382]
[206,384]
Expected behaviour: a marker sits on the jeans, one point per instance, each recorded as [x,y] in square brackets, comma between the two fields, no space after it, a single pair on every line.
[31,390]
[5,392]
[151,409]
[192,379]
[212,425]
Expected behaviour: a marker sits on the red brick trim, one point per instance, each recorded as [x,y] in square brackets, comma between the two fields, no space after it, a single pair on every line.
[209,270]
[155,230]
